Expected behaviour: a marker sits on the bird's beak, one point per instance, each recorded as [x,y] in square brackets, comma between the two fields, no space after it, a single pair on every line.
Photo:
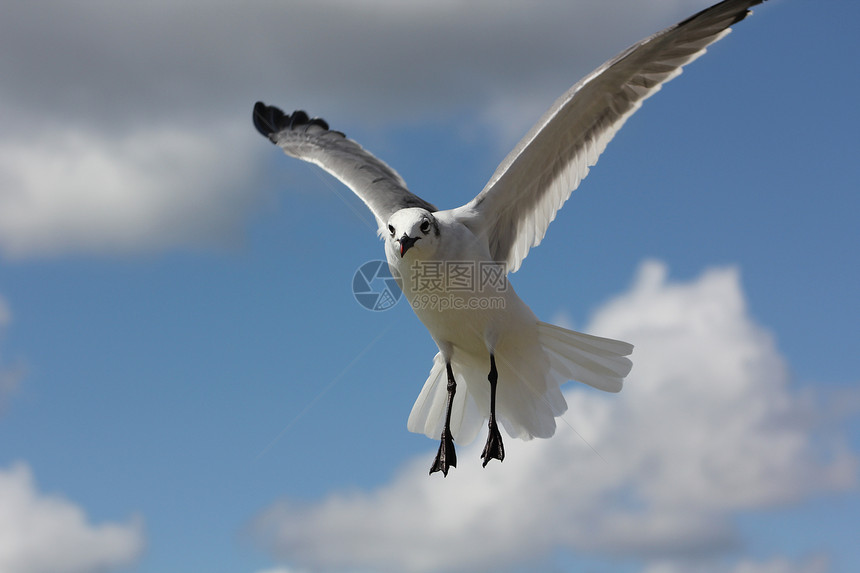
[406,243]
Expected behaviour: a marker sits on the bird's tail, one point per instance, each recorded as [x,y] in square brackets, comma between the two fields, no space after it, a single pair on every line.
[529,397]
[428,412]
[598,362]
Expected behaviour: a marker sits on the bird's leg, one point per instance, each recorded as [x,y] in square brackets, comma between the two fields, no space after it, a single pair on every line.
[494,448]
[447,456]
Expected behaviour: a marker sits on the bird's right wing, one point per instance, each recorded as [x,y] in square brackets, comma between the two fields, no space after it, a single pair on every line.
[375,183]
[530,185]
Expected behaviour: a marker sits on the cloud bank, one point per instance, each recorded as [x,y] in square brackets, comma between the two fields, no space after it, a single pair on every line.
[126,126]
[155,188]
[42,533]
[708,427]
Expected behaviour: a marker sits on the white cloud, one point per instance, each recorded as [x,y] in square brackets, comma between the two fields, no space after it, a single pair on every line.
[705,428]
[114,134]
[157,57]
[281,570]
[781,565]
[816,564]
[42,533]
[153,188]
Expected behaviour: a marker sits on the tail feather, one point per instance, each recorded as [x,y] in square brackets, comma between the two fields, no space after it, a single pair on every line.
[598,362]
[599,365]
[428,412]
[570,370]
[529,395]
[596,344]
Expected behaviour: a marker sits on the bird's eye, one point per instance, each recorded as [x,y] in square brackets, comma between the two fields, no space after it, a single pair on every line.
[425,226]
[391,229]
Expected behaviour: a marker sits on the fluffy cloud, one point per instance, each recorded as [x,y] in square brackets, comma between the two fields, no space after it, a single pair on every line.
[153,188]
[706,427]
[118,65]
[817,564]
[126,125]
[47,534]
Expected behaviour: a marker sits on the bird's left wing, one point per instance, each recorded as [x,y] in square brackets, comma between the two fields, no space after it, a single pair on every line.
[522,197]
[310,139]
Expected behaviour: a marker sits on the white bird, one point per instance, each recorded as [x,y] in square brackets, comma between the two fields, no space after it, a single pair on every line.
[453,264]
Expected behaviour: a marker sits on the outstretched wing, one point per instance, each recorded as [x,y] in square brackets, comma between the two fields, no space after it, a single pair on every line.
[377,184]
[532,183]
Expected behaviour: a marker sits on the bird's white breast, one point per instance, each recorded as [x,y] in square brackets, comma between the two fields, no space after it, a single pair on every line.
[460,294]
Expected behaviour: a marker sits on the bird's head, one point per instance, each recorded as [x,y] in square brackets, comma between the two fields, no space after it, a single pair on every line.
[412,228]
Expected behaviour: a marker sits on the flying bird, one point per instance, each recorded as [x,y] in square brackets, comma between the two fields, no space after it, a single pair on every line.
[452,265]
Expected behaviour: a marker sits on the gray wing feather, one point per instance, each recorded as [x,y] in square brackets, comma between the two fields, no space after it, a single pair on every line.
[532,183]
[310,139]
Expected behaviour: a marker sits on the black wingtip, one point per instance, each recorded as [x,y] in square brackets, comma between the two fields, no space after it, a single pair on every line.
[269,120]
[741,14]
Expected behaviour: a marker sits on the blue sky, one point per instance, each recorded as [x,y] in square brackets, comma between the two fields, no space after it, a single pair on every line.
[186,382]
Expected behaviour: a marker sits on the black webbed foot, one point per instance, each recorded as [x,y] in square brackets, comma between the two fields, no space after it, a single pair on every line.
[494,449]
[446,457]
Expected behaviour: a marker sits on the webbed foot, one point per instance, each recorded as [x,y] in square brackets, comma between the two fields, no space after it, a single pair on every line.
[494,447]
[446,457]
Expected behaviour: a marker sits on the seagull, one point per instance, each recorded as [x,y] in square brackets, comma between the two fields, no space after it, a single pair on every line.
[452,265]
